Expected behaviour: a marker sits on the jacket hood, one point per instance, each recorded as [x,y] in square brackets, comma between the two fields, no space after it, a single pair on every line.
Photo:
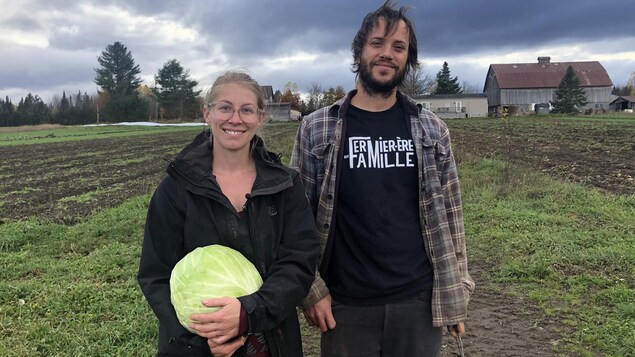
[192,167]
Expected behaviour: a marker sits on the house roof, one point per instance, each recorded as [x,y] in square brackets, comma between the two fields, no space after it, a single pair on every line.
[547,74]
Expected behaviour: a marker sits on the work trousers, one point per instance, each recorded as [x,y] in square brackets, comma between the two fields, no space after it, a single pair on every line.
[391,330]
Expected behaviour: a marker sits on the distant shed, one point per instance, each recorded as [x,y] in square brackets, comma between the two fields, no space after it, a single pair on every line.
[280,111]
[275,111]
[448,106]
[623,103]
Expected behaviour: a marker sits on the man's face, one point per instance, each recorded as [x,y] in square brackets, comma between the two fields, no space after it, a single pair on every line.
[383,60]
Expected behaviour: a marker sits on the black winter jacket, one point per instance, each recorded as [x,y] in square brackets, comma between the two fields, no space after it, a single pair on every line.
[188,210]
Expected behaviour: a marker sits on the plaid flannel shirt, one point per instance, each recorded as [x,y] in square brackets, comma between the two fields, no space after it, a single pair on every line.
[315,156]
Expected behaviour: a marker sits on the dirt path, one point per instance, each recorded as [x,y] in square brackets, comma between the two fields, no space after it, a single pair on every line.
[502,326]
[497,326]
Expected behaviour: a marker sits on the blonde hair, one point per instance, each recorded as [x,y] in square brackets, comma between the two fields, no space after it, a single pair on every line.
[241,78]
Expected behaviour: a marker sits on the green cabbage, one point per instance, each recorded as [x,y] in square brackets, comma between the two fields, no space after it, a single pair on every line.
[210,272]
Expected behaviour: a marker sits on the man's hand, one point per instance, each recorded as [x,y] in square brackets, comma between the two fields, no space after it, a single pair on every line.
[320,314]
[457,330]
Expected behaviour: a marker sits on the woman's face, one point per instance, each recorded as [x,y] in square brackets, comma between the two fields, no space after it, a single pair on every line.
[233,131]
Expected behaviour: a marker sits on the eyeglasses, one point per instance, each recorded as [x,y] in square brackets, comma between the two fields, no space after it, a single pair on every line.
[224,111]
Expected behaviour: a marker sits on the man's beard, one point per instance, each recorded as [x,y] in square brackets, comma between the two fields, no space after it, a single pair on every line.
[374,87]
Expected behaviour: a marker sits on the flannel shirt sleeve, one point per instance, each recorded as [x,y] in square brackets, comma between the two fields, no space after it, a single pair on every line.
[454,211]
[303,160]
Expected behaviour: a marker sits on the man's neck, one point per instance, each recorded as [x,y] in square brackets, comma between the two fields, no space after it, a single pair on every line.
[373,102]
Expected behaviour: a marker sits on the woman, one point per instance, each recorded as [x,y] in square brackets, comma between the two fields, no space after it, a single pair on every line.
[226,188]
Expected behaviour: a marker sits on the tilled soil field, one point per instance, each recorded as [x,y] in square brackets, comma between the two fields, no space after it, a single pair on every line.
[66,181]
[597,153]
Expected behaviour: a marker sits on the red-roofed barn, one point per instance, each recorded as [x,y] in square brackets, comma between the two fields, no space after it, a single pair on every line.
[519,87]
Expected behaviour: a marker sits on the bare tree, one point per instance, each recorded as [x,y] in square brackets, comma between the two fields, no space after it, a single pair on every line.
[416,82]
[471,87]
[631,83]
[332,94]
[316,96]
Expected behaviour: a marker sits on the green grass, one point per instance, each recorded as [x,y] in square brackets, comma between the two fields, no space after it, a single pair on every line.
[71,133]
[570,249]
[71,290]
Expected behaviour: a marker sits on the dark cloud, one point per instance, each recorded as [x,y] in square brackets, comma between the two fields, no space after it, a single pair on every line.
[249,33]
[257,28]
[23,21]
[47,68]
[455,27]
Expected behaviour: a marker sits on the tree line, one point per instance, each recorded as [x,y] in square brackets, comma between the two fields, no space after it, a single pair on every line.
[415,83]
[122,97]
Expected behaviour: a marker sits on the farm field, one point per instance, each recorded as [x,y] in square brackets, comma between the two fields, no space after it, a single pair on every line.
[63,177]
[596,151]
[551,236]
[67,180]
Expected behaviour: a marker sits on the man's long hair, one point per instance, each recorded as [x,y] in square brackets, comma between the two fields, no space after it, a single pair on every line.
[392,16]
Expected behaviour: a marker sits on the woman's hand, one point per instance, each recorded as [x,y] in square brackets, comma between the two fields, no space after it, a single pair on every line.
[219,326]
[226,349]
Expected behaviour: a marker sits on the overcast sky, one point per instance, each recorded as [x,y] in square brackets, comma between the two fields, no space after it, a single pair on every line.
[50,46]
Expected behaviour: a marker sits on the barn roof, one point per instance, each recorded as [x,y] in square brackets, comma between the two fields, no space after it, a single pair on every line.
[546,74]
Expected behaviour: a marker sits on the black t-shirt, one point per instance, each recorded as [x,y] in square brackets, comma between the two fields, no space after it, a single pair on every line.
[378,255]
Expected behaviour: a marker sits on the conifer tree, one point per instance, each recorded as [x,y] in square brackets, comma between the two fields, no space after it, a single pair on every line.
[569,95]
[445,83]
[118,77]
[31,110]
[6,112]
[175,91]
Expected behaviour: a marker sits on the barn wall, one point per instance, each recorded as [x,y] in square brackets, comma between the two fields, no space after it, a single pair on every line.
[525,99]
[599,98]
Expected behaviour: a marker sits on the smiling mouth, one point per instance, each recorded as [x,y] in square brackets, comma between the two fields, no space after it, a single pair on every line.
[233,132]
[384,64]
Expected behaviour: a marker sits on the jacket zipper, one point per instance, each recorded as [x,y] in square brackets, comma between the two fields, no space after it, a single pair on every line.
[248,207]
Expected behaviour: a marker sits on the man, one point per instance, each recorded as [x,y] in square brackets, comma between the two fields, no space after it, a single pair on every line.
[381,178]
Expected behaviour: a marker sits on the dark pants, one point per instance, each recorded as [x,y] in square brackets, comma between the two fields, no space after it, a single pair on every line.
[391,330]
